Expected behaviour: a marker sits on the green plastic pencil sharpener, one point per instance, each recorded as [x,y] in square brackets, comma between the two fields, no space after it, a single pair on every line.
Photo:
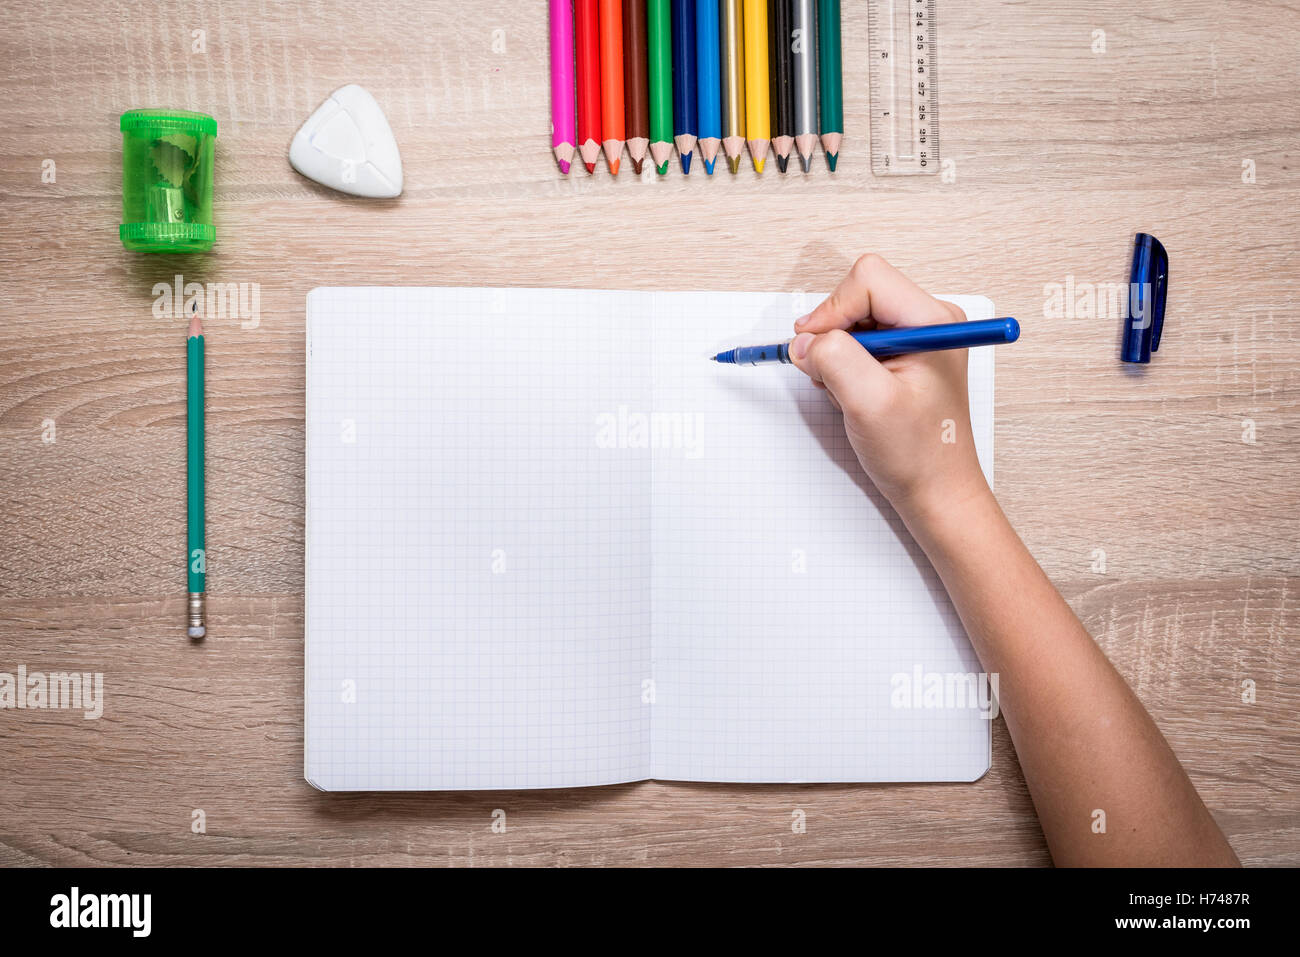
[167,181]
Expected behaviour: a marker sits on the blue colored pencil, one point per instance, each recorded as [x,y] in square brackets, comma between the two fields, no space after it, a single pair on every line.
[684,80]
[708,71]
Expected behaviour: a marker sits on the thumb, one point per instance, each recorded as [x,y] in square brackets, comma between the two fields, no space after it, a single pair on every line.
[852,374]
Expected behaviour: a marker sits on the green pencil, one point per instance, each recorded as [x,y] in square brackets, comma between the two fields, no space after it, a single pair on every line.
[197,558]
[831,71]
[659,30]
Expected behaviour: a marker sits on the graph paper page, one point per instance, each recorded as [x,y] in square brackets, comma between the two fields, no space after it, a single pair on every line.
[787,594]
[478,567]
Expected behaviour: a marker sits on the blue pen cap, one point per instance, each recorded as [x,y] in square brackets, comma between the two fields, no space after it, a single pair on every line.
[1148,284]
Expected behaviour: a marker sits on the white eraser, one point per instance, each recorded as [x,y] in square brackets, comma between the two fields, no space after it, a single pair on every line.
[348,145]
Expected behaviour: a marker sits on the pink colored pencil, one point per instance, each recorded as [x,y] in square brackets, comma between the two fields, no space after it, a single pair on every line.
[563,117]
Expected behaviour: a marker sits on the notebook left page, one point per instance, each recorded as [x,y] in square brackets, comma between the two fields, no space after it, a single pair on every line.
[477,557]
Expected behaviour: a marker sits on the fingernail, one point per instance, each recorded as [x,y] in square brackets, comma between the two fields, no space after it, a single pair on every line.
[802,321]
[799,348]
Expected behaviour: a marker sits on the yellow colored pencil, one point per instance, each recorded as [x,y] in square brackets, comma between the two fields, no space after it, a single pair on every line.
[758,111]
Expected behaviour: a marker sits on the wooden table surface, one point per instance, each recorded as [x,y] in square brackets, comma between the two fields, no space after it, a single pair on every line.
[1060,151]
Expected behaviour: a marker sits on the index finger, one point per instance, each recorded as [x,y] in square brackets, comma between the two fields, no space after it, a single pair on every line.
[874,293]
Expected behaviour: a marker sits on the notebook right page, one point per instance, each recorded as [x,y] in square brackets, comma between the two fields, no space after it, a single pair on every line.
[799,633]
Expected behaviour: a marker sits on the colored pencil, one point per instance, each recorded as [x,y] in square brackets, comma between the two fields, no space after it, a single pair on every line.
[659,43]
[563,135]
[832,79]
[732,28]
[782,70]
[196,552]
[758,114]
[588,46]
[611,80]
[685,83]
[805,81]
[708,81]
[636,88]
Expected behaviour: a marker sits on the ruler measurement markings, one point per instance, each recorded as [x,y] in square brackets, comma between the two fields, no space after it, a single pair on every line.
[903,72]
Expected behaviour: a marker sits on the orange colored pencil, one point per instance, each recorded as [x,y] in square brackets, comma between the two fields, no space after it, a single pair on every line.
[611,80]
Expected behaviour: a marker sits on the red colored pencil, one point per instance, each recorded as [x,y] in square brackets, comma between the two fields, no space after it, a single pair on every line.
[588,46]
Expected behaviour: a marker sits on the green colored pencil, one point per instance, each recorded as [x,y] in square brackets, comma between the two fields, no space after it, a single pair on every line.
[659,30]
[197,557]
[831,71]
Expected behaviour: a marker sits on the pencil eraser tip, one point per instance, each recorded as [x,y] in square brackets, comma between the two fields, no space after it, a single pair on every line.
[197,632]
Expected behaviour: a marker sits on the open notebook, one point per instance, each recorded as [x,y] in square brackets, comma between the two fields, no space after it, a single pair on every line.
[550,544]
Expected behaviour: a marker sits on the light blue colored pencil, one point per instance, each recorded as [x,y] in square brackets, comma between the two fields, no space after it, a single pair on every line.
[708,71]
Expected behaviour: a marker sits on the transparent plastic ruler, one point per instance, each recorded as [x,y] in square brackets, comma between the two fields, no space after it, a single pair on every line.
[904,46]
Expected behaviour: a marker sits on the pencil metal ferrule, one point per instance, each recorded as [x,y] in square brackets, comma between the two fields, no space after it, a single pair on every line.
[197,614]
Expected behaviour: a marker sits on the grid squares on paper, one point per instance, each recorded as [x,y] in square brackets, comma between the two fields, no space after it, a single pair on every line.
[496,565]
[787,593]
[477,613]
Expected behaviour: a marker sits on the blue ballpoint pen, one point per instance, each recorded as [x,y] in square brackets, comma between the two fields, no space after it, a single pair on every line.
[883,343]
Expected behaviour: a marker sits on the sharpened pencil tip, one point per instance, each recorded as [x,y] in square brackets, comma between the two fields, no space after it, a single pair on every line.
[782,163]
[196,325]
[708,166]
[591,168]
[662,169]
[758,165]
[564,167]
[831,160]
[734,163]
[613,168]
[806,163]
[686,164]
[636,166]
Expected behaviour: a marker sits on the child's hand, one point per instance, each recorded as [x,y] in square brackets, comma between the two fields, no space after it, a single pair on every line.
[899,412]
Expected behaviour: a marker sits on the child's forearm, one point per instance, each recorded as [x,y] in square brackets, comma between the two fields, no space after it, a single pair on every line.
[1085,742]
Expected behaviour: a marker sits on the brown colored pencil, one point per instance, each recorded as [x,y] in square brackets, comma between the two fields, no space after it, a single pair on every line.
[636,82]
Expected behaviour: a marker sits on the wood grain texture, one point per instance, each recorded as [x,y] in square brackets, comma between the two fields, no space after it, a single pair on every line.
[1059,154]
